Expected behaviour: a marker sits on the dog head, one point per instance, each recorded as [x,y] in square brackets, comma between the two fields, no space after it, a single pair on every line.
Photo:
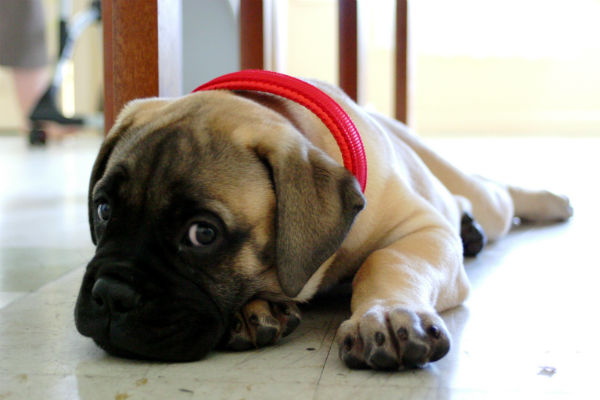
[197,205]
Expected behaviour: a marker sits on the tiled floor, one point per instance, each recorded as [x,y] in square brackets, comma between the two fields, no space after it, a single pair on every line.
[529,330]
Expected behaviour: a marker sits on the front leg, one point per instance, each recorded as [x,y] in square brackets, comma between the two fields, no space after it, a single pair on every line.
[397,293]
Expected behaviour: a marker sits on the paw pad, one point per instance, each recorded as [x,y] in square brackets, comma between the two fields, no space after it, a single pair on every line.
[472,236]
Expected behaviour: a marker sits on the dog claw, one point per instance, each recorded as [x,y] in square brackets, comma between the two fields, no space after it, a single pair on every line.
[434,331]
[238,343]
[265,335]
[354,362]
[415,354]
[239,337]
[293,320]
[384,361]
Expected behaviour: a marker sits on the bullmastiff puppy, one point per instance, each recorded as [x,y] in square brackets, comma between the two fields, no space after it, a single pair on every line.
[216,213]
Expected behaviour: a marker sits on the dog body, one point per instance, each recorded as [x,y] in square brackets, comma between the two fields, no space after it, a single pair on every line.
[215,213]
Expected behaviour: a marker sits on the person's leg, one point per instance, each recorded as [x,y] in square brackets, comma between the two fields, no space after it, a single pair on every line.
[30,84]
[23,49]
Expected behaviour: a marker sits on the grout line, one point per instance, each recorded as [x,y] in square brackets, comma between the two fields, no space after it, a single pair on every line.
[8,297]
[331,344]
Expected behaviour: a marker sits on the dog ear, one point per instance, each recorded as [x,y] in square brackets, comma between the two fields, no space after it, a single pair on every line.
[97,172]
[317,201]
[122,124]
[100,166]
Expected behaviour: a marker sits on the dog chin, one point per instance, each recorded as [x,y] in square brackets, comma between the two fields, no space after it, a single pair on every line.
[194,347]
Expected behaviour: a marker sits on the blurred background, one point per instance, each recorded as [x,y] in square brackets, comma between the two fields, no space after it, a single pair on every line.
[478,67]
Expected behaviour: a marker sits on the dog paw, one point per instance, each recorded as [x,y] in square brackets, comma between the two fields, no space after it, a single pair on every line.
[262,323]
[392,338]
[541,206]
[472,236]
[555,207]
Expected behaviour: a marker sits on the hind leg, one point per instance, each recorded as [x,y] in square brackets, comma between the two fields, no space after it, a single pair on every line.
[492,205]
[495,205]
[526,204]
[540,205]
[488,203]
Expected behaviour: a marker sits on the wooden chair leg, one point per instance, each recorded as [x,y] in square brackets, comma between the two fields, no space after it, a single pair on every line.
[348,47]
[402,70]
[251,34]
[348,53]
[141,42]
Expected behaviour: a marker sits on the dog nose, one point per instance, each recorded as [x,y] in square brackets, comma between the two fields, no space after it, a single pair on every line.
[114,296]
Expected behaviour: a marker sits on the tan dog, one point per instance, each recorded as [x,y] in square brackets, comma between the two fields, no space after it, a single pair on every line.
[216,212]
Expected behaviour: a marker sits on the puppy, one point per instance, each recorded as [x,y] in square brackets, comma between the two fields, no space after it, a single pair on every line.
[215,213]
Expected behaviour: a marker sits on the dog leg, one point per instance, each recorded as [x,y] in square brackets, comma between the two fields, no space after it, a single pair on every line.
[472,235]
[262,323]
[490,203]
[493,205]
[540,205]
[397,293]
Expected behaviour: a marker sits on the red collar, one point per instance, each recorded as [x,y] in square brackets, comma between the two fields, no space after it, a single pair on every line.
[333,116]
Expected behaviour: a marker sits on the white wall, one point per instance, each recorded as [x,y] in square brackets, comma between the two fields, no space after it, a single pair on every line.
[210,41]
[507,67]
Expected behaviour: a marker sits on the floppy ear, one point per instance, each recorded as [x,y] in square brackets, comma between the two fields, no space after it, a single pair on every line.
[136,112]
[97,172]
[317,201]
[123,122]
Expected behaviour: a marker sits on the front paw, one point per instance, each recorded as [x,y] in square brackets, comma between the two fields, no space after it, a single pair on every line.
[262,323]
[391,338]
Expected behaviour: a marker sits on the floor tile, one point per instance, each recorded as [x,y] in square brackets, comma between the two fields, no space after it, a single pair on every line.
[8,297]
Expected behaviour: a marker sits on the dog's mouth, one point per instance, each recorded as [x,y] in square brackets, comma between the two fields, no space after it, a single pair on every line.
[189,340]
[127,323]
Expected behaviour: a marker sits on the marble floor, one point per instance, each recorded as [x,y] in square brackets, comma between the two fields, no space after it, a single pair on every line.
[528,331]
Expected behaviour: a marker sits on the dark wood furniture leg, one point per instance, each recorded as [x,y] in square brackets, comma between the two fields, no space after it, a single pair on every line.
[141,51]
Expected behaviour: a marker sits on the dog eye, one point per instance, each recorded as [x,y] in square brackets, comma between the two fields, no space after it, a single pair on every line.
[202,234]
[104,211]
